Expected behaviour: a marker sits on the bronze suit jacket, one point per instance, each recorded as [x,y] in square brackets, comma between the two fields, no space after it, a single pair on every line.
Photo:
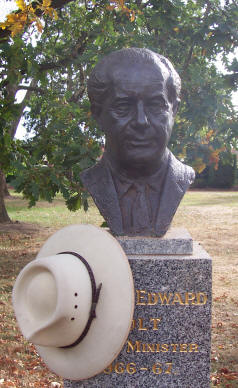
[98,181]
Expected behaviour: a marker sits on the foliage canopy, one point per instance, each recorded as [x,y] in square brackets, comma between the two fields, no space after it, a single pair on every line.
[52,65]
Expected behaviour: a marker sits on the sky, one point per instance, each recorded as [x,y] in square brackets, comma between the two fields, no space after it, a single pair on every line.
[7,6]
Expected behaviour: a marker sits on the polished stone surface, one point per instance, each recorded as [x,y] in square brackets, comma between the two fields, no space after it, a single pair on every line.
[176,241]
[169,344]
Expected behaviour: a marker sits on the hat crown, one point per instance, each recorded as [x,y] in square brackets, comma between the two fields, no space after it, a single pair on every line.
[52,299]
[41,296]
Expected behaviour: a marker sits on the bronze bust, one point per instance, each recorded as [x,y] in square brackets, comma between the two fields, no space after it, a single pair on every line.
[138,184]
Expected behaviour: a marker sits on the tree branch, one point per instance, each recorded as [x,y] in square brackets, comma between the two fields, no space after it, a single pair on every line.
[188,59]
[79,93]
[76,50]
[23,104]
[31,88]
[208,8]
[144,5]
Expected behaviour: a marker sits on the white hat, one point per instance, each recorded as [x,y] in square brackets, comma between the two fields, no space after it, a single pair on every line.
[55,301]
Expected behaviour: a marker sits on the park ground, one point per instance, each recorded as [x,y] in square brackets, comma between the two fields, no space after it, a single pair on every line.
[211,217]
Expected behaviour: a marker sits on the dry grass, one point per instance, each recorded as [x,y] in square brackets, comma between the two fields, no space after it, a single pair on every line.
[210,217]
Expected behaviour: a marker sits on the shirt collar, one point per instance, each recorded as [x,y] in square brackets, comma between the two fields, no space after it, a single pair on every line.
[154,181]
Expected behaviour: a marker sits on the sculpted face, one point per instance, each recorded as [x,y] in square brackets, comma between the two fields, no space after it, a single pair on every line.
[137,117]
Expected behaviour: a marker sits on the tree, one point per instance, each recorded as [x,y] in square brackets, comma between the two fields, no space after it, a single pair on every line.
[29,66]
[54,71]
[13,72]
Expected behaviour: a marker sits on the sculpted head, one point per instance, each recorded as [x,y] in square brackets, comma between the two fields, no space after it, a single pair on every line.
[134,96]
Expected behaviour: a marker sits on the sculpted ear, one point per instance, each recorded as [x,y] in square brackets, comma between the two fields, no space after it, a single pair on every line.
[176,105]
[96,113]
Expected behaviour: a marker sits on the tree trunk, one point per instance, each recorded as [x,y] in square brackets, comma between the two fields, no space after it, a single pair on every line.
[3,211]
[6,192]
[5,188]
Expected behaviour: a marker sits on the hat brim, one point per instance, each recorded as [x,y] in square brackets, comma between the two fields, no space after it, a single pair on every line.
[114,312]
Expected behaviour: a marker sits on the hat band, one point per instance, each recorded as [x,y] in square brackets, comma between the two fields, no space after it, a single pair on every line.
[95,297]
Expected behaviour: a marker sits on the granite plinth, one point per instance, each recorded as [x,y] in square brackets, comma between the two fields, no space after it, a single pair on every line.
[169,342]
[176,241]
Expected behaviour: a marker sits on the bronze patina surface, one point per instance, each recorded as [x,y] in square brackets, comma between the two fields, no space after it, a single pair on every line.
[138,184]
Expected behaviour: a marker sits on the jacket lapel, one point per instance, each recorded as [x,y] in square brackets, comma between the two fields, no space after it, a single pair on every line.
[98,181]
[173,191]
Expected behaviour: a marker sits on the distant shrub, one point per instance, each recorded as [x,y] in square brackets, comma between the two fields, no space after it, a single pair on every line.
[10,177]
[222,178]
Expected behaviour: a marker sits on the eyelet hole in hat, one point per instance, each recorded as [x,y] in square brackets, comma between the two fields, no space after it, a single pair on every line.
[75,294]
[72,319]
[76,306]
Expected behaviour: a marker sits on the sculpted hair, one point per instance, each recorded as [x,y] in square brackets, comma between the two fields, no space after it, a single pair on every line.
[101,77]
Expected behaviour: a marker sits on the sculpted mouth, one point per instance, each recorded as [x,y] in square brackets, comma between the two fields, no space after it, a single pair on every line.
[138,142]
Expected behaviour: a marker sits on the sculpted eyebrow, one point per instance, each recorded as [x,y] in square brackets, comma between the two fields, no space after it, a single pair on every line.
[157,99]
[122,99]
[156,96]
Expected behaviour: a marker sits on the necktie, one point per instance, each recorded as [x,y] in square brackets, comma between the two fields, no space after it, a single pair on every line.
[140,215]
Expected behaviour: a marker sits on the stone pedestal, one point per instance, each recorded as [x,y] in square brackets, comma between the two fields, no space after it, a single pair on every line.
[169,342]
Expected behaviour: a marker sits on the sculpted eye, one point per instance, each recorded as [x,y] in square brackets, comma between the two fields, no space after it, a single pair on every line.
[157,105]
[121,108]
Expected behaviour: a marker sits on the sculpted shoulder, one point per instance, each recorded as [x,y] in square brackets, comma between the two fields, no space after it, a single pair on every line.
[185,175]
[92,175]
[182,172]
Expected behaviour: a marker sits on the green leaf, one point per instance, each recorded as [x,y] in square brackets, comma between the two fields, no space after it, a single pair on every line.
[74,202]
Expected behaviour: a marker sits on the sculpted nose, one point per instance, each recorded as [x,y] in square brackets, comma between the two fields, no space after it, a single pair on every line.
[141,117]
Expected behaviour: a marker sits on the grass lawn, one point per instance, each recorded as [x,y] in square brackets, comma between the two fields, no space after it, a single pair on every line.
[211,217]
